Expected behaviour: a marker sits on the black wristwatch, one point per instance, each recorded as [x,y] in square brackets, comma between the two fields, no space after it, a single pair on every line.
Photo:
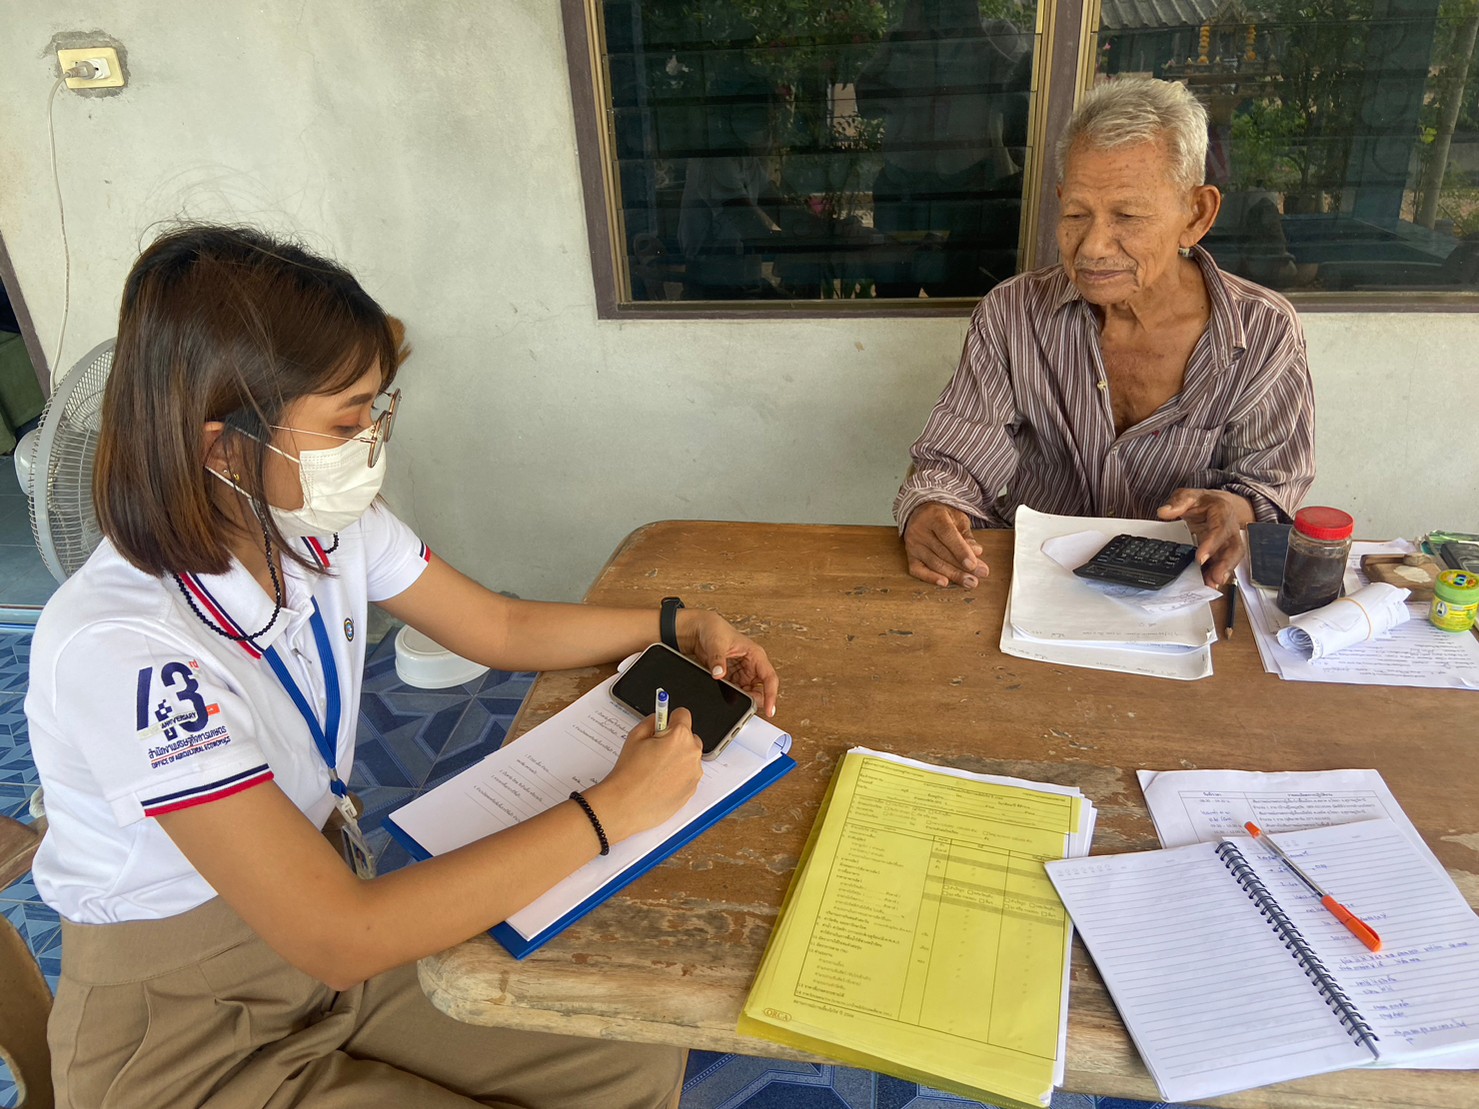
[667,621]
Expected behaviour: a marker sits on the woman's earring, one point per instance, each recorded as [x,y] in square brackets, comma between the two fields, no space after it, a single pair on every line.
[1184,251]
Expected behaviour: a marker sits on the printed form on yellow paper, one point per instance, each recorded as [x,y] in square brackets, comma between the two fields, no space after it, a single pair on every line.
[921,935]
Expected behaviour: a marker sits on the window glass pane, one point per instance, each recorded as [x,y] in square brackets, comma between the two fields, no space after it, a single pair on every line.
[1344,133]
[815,149]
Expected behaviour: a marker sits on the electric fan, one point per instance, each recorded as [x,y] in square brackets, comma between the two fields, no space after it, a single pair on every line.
[59,484]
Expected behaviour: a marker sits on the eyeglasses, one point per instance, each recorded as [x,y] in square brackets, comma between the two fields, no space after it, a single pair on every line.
[381,425]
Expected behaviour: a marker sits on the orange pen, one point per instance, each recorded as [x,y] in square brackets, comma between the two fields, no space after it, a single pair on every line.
[1358,927]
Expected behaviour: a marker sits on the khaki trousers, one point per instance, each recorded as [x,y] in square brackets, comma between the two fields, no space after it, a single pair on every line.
[196,1010]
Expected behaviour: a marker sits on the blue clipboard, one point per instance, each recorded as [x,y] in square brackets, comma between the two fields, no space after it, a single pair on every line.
[520,948]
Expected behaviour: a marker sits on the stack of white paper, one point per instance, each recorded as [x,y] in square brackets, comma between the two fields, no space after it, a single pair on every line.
[1054,616]
[1414,653]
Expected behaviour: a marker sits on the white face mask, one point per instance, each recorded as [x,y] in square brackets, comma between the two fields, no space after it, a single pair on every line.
[337,489]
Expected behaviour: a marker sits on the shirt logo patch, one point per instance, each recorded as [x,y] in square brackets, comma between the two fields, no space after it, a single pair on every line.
[176,724]
[349,629]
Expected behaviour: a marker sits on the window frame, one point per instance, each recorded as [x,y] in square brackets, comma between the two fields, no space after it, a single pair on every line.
[1065,47]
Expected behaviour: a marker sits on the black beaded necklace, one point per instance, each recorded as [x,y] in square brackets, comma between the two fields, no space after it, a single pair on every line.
[277,597]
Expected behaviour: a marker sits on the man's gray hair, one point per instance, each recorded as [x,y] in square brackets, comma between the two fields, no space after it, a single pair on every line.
[1131,110]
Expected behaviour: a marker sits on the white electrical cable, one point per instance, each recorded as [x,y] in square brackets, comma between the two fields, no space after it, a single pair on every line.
[56,180]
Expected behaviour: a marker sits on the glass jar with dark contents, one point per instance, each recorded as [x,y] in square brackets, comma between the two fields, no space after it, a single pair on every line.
[1319,544]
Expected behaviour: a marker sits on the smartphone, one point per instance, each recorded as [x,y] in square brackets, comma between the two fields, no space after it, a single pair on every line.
[719,709]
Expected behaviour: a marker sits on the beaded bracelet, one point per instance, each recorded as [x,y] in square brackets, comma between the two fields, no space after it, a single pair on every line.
[595,823]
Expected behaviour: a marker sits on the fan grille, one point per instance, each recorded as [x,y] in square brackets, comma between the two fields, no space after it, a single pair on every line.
[63,519]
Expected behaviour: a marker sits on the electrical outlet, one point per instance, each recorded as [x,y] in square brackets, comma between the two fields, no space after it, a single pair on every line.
[104,58]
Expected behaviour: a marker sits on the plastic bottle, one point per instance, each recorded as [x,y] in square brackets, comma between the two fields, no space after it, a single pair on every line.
[1319,544]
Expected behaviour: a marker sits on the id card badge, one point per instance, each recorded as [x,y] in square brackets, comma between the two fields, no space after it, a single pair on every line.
[356,851]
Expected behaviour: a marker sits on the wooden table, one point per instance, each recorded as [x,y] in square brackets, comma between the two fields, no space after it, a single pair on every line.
[867,655]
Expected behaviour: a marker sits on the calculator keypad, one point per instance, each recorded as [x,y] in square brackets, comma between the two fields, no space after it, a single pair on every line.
[1139,561]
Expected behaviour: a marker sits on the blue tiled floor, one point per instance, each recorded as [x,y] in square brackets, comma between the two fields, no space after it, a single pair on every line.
[409,740]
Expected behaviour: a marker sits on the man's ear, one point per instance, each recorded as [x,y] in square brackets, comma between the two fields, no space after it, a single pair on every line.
[1206,202]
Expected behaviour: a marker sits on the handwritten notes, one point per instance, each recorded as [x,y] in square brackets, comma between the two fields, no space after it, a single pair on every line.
[1231,974]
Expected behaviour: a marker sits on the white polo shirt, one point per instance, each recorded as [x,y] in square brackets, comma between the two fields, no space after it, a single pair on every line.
[137,708]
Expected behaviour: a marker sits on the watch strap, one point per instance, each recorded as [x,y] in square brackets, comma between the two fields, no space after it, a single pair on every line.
[667,622]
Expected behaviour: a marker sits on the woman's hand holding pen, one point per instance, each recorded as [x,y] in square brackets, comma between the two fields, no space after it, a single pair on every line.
[653,778]
[729,654]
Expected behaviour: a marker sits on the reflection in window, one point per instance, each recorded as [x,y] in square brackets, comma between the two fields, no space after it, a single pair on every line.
[1344,133]
[816,149]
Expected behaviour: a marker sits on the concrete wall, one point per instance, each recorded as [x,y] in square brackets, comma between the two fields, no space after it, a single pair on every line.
[430,147]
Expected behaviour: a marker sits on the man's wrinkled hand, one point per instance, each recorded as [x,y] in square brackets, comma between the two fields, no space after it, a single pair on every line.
[940,547]
[1216,518]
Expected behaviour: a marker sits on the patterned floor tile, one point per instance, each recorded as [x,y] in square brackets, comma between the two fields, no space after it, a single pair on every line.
[37,922]
[714,1081]
[22,890]
[380,802]
[15,798]
[16,765]
[15,662]
[401,736]
[479,733]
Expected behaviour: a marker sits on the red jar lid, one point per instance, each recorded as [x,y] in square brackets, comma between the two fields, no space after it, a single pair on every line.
[1324,523]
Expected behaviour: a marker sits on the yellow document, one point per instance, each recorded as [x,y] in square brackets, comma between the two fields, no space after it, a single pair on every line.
[921,935]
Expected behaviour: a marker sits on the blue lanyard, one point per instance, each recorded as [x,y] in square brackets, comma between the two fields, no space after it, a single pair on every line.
[325,736]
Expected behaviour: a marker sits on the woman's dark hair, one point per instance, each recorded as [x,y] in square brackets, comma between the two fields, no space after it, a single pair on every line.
[228,324]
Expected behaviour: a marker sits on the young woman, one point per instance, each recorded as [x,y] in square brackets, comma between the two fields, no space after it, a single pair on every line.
[192,711]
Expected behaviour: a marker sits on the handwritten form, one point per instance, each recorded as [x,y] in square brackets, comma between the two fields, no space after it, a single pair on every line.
[573,749]
[1214,1001]
[1414,654]
[921,936]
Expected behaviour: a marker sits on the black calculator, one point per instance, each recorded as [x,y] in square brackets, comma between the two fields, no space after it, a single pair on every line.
[1138,561]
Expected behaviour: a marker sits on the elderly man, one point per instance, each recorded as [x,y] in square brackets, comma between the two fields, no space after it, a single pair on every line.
[1137,380]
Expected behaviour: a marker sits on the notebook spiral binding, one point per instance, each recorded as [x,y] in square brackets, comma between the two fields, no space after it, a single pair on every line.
[1295,943]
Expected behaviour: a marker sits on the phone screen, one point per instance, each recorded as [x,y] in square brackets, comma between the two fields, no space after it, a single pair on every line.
[717,707]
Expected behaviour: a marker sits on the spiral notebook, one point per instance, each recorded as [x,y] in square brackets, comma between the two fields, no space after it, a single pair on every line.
[1229,974]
